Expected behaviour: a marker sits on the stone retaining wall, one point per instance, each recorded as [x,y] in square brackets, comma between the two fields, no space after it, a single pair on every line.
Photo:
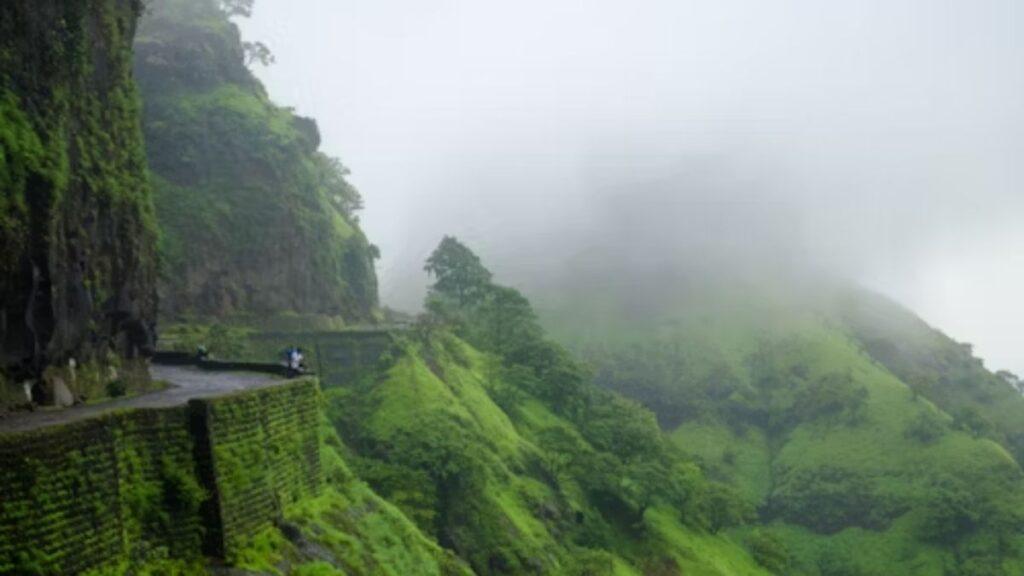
[149,483]
[338,358]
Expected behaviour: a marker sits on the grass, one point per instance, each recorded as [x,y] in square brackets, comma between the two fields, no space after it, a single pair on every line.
[700,553]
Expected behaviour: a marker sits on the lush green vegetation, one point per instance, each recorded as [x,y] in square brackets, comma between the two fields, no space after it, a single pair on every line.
[717,427]
[493,440]
[762,437]
[254,218]
[346,529]
[867,442]
[77,231]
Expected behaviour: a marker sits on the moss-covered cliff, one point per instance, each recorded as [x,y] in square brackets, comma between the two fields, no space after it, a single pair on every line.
[77,231]
[253,217]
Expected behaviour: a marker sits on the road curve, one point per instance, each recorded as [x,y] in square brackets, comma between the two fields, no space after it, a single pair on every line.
[186,382]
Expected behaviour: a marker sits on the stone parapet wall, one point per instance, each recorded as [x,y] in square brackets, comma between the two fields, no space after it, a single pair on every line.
[339,358]
[149,483]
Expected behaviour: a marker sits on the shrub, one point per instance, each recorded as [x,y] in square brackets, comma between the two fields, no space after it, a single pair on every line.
[926,428]
[832,396]
[970,420]
[828,499]
[769,551]
[952,512]
[724,507]
[116,388]
[837,561]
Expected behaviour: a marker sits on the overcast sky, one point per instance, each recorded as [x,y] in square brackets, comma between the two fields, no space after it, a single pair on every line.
[881,137]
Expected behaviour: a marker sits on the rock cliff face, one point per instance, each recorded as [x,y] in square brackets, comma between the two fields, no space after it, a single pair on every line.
[77,230]
[254,219]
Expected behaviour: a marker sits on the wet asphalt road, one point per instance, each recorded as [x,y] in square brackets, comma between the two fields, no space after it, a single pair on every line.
[186,382]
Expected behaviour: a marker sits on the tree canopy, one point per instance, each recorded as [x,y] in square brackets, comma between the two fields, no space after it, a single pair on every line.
[241,8]
[460,274]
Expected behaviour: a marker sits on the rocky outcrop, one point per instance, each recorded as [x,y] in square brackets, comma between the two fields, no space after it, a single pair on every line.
[254,218]
[77,230]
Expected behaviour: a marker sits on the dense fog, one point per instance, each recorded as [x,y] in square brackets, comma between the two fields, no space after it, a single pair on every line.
[879,140]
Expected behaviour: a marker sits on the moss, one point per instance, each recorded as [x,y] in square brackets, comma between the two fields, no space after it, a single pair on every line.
[360,532]
[128,476]
[265,456]
[133,479]
[76,214]
[21,155]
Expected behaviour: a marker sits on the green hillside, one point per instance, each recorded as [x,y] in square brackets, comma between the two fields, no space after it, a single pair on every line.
[868,442]
[521,489]
[254,218]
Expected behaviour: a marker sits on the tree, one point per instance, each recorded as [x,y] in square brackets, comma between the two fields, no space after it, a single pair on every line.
[769,551]
[970,420]
[458,271]
[919,383]
[506,320]
[831,395]
[333,179]
[560,448]
[257,52]
[926,428]
[953,511]
[241,8]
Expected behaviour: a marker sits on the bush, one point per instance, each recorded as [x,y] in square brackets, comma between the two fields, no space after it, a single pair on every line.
[725,507]
[926,428]
[829,499]
[837,561]
[769,551]
[970,420]
[116,388]
[952,512]
[832,396]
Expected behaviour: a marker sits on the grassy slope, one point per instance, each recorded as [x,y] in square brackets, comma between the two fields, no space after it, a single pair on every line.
[348,530]
[452,462]
[718,332]
[951,376]
[442,419]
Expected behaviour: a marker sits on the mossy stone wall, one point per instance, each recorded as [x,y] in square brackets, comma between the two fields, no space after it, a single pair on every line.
[145,484]
[339,358]
[265,455]
[59,499]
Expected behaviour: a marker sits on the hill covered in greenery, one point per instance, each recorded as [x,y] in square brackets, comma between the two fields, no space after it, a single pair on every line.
[866,441]
[716,427]
[493,440]
[253,217]
[666,425]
